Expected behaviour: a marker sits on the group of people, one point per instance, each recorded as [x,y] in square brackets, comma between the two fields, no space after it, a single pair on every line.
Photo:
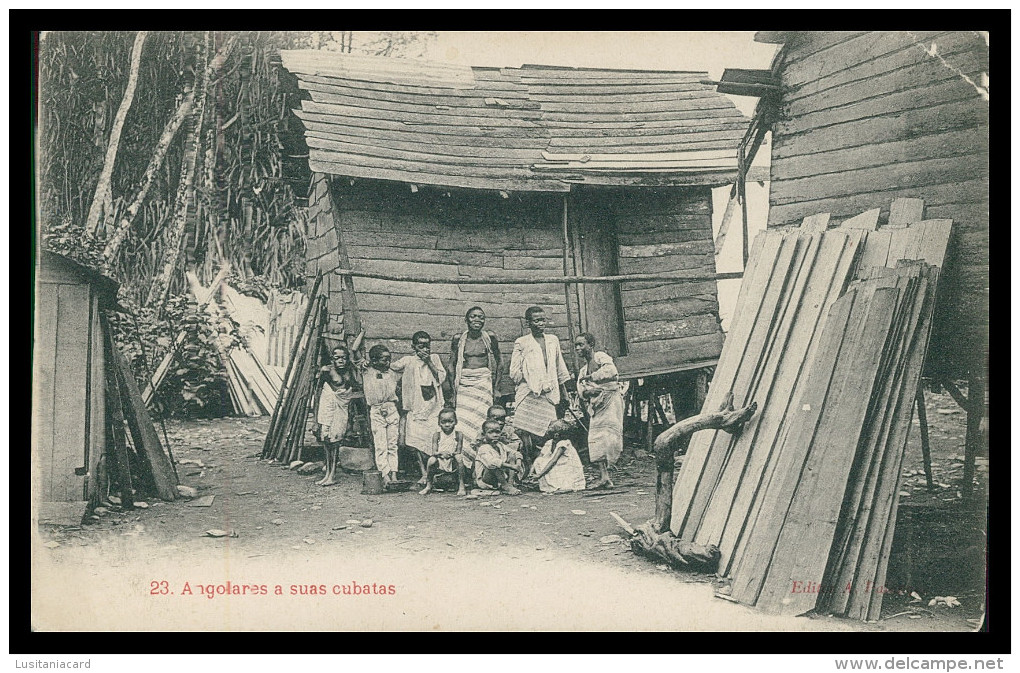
[468,435]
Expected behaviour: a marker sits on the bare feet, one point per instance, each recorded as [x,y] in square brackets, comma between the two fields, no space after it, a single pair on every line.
[510,490]
[461,491]
[603,483]
[484,485]
[327,482]
[426,491]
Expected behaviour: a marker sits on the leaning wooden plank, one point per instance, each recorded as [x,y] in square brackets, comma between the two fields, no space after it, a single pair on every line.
[742,461]
[868,220]
[874,555]
[918,357]
[761,334]
[303,392]
[861,565]
[857,504]
[819,286]
[876,249]
[815,223]
[253,378]
[804,542]
[751,564]
[934,241]
[117,453]
[833,269]
[164,366]
[761,265]
[296,398]
[904,212]
[724,226]
[268,447]
[143,432]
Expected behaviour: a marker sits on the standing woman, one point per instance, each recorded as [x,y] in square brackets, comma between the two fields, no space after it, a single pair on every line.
[339,386]
[475,368]
[598,385]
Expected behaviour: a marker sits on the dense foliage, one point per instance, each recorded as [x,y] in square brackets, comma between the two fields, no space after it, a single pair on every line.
[240,209]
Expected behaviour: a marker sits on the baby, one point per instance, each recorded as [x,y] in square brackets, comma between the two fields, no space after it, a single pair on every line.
[558,467]
[447,447]
[495,462]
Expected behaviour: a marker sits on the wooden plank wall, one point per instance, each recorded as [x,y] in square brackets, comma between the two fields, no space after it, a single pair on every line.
[668,230]
[871,117]
[390,229]
[61,368]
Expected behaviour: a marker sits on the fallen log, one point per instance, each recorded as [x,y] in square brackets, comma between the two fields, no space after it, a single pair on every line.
[677,438]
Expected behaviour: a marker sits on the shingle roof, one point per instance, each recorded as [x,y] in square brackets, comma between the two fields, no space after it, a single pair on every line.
[534,128]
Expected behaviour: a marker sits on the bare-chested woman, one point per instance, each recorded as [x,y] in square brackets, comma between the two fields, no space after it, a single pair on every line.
[475,368]
[339,387]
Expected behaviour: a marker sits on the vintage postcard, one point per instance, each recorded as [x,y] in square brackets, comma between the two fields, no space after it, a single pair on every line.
[501,330]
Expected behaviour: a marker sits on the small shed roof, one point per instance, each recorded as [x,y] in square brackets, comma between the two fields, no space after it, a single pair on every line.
[533,128]
[107,288]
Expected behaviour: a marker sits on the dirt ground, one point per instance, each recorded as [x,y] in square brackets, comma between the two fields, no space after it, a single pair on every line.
[444,562]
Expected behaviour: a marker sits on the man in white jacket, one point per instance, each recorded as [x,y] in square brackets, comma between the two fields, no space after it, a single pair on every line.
[538,369]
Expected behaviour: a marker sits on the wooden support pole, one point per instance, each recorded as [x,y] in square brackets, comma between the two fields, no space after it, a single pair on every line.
[566,284]
[672,276]
[975,411]
[676,438]
[922,419]
[955,393]
[742,193]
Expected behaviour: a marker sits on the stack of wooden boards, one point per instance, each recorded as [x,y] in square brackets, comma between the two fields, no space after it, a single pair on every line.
[285,436]
[829,336]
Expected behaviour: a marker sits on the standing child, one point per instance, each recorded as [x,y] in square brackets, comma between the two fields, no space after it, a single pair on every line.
[447,447]
[558,467]
[380,385]
[495,462]
[339,387]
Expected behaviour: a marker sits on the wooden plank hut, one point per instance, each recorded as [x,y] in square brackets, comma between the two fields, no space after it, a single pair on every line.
[585,191]
[860,119]
[863,118]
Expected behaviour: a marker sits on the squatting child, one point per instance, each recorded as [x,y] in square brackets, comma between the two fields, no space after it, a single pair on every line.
[495,462]
[447,451]
[507,434]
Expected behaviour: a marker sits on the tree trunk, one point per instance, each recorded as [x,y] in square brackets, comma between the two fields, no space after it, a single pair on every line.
[159,154]
[103,197]
[185,192]
[677,438]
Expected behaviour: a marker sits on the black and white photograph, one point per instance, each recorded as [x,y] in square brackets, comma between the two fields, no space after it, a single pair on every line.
[510,331]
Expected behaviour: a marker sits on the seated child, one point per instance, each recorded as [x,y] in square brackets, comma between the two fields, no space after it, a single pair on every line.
[507,434]
[496,463]
[447,446]
[558,467]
